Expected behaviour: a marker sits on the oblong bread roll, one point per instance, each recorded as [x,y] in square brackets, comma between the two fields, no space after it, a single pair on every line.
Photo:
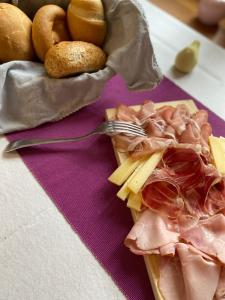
[15,34]
[49,28]
[69,58]
[86,21]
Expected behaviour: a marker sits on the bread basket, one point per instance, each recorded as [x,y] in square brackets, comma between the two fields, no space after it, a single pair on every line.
[29,97]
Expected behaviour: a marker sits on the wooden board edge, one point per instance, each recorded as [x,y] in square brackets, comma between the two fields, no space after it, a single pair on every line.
[150,260]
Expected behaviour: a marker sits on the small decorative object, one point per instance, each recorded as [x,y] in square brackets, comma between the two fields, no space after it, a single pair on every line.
[187,58]
[220,35]
[210,12]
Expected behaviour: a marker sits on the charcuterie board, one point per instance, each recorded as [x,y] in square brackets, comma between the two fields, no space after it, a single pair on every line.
[151,261]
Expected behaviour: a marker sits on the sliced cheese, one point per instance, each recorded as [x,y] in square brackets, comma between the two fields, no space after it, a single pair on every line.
[120,175]
[222,141]
[218,153]
[144,172]
[124,191]
[134,201]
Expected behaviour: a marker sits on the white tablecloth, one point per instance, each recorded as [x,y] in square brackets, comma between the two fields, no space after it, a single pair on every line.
[41,257]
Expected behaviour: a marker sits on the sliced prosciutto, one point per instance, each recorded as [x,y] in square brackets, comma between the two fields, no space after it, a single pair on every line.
[172,125]
[161,193]
[183,183]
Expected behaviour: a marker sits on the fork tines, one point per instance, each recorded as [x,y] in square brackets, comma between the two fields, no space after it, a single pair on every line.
[126,127]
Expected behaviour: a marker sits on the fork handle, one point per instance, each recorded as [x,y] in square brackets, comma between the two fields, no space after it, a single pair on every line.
[19,144]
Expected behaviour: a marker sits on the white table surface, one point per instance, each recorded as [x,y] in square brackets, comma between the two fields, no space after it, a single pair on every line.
[41,257]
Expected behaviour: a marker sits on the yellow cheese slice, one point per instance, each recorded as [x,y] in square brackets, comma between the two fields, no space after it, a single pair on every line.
[222,141]
[120,175]
[124,191]
[134,201]
[217,153]
[144,172]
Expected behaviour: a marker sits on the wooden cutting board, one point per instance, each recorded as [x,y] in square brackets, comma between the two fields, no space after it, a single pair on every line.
[151,261]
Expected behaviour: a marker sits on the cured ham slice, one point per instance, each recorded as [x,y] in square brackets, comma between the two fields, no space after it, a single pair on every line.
[147,111]
[182,184]
[216,198]
[128,114]
[165,127]
[161,193]
[150,233]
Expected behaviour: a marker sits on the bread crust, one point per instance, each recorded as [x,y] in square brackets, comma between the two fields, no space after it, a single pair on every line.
[86,21]
[15,34]
[69,58]
[49,28]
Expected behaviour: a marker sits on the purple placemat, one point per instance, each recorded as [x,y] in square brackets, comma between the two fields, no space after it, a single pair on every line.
[74,175]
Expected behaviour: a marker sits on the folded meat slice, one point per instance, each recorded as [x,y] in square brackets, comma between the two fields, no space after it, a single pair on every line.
[161,193]
[127,114]
[187,167]
[184,275]
[180,118]
[200,273]
[140,147]
[220,292]
[171,282]
[194,177]
[198,131]
[147,111]
[172,125]
[200,117]
[146,146]
[175,117]
[151,232]
[215,201]
[181,184]
[155,127]
[208,236]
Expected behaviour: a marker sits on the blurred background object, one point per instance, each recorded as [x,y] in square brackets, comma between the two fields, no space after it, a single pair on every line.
[205,16]
[187,58]
[220,35]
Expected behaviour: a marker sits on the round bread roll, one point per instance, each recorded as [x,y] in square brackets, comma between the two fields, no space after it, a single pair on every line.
[69,58]
[86,21]
[15,34]
[49,28]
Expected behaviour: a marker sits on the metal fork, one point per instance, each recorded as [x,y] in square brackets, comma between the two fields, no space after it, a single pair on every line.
[110,128]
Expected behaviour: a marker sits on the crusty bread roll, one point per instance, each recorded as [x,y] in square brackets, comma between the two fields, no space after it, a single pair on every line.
[15,34]
[69,58]
[86,21]
[49,28]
